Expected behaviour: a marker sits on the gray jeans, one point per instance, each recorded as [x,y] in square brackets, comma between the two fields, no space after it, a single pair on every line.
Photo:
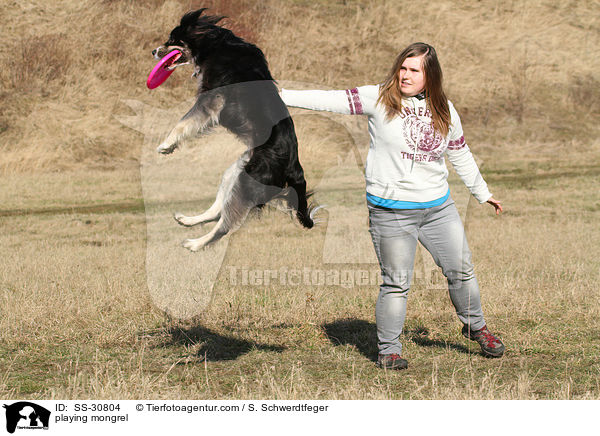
[395,233]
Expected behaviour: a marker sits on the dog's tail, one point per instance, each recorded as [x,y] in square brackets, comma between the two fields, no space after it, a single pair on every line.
[313,209]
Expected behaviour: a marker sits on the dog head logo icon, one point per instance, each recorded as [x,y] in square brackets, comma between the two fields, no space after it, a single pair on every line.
[26,415]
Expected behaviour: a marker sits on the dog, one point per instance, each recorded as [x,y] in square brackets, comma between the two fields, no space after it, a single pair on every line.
[236,91]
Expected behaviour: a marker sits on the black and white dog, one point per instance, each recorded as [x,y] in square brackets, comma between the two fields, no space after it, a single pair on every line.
[236,90]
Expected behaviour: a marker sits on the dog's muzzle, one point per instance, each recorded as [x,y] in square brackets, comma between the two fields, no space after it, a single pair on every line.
[161,51]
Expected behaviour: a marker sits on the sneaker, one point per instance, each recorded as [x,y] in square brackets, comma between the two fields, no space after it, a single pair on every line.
[391,361]
[491,345]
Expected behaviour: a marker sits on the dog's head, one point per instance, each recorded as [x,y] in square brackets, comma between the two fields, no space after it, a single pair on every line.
[186,37]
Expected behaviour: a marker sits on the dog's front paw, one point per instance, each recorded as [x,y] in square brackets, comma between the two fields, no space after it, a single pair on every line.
[166,148]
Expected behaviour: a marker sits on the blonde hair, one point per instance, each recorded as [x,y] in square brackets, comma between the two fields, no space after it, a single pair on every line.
[437,102]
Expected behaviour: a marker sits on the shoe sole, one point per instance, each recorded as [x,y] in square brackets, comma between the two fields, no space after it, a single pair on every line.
[395,368]
[495,355]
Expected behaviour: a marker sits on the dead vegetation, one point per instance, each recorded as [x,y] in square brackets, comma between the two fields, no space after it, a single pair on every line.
[517,71]
[78,319]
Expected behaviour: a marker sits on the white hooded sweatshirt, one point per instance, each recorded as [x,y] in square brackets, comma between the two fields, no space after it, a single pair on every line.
[405,163]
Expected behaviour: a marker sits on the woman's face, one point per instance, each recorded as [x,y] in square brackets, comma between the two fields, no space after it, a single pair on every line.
[412,77]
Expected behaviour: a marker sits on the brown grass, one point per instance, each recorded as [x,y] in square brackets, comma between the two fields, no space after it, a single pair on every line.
[517,71]
[79,315]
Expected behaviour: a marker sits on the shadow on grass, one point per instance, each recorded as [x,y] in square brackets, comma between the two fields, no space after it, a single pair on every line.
[419,335]
[214,346]
[363,335]
[357,332]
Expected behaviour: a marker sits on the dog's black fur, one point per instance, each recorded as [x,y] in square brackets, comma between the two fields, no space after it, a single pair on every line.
[236,90]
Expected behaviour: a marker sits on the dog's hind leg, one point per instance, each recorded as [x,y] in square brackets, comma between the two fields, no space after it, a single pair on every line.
[235,205]
[218,231]
[213,213]
[232,215]
[204,114]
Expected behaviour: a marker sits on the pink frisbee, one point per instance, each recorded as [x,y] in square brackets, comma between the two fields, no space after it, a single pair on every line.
[161,71]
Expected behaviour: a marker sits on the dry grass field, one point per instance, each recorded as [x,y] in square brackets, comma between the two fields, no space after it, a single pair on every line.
[98,300]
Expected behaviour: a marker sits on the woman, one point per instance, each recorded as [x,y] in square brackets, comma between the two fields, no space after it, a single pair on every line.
[412,125]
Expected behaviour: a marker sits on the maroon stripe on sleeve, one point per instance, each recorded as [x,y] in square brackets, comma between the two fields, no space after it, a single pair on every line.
[350,103]
[356,101]
[457,144]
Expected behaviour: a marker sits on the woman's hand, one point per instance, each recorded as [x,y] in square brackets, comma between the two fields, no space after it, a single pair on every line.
[497,205]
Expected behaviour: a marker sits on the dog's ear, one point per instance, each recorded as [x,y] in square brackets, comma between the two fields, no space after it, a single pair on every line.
[191,18]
